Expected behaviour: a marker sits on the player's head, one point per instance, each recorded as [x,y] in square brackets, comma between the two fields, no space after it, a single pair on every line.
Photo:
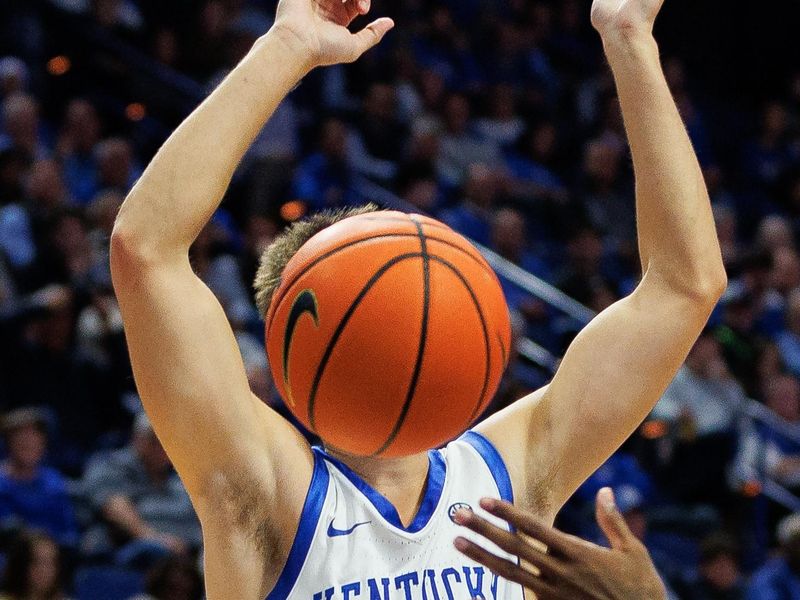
[383,318]
[285,246]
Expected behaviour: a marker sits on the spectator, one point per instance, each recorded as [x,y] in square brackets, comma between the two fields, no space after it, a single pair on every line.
[459,149]
[608,209]
[739,339]
[532,165]
[33,495]
[116,169]
[782,455]
[22,127]
[79,137]
[325,178]
[474,215]
[142,500]
[13,76]
[785,275]
[44,340]
[509,239]
[173,578]
[779,578]
[33,570]
[702,405]
[774,233]
[379,129]
[788,340]
[720,576]
[503,126]
[767,158]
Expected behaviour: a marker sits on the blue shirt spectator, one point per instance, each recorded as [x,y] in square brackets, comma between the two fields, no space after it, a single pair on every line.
[31,494]
[779,579]
[325,179]
[774,581]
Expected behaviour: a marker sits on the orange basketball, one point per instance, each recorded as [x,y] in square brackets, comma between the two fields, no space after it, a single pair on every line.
[388,334]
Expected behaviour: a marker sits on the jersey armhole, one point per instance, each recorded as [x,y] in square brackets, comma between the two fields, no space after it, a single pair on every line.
[309,518]
[493,460]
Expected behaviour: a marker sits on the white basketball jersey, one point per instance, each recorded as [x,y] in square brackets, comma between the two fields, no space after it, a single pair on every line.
[351,544]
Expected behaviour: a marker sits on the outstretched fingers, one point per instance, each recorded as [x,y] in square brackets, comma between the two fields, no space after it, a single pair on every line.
[557,542]
[501,566]
[506,540]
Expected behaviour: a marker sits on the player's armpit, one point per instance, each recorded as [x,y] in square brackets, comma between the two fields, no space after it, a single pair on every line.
[189,373]
[611,376]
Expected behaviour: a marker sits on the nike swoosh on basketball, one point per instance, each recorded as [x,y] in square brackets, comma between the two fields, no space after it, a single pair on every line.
[333,532]
[306,302]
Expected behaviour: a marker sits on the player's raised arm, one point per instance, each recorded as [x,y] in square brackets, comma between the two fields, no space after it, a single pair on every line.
[186,363]
[620,364]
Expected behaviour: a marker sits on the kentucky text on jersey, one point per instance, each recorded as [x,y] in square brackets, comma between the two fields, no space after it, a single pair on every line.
[444,584]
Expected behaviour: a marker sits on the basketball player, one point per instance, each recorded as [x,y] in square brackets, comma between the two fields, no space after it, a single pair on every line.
[573,569]
[283,520]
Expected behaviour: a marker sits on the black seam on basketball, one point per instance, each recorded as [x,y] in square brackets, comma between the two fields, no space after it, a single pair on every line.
[503,350]
[476,258]
[423,336]
[329,253]
[312,397]
[477,304]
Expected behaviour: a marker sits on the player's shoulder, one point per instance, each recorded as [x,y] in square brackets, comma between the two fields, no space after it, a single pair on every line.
[520,434]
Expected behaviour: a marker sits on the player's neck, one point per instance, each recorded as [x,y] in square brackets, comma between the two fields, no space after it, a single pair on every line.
[401,480]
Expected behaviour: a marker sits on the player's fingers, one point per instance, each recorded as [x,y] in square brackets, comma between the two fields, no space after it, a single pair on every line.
[546,589]
[555,540]
[500,566]
[611,520]
[508,541]
[371,35]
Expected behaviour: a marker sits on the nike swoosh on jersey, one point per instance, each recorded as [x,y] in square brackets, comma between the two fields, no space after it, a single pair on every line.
[333,532]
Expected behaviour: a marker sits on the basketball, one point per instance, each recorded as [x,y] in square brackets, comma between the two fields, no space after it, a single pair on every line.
[388,334]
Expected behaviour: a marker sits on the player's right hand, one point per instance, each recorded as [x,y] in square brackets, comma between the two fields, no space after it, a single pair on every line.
[571,568]
[615,16]
[318,29]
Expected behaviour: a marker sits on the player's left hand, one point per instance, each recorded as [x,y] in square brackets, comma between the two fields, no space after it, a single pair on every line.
[318,29]
[571,568]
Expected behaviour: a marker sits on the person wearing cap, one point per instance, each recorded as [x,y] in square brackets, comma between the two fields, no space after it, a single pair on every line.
[779,578]
[558,566]
[142,500]
[33,495]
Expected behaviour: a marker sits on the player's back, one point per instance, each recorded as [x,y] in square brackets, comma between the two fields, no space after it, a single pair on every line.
[351,544]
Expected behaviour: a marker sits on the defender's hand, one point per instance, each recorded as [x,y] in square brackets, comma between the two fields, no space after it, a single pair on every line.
[624,16]
[317,29]
[571,568]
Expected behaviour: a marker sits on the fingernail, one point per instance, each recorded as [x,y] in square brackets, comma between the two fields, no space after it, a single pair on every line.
[606,496]
[488,503]
[461,516]
[460,543]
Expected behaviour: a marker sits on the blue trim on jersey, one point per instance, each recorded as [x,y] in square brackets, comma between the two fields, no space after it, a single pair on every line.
[312,509]
[430,500]
[493,460]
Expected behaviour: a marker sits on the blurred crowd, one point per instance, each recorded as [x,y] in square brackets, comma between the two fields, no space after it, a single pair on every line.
[500,119]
